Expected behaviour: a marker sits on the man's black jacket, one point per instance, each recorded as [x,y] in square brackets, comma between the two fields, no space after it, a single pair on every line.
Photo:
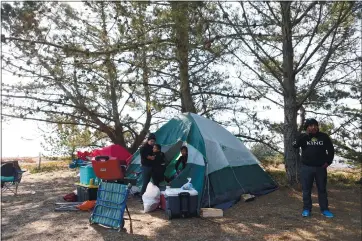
[317,149]
[145,151]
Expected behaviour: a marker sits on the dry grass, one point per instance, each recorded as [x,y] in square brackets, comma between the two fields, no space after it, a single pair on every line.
[46,166]
[344,176]
[20,159]
[276,216]
[340,177]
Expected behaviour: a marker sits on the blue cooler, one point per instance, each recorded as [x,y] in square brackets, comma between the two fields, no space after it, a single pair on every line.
[181,203]
[86,174]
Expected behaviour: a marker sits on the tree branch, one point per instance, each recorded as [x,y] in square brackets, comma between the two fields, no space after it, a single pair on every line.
[320,44]
[260,141]
[112,50]
[50,121]
[298,20]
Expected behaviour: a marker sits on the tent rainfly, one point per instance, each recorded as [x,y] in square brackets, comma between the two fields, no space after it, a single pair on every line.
[220,166]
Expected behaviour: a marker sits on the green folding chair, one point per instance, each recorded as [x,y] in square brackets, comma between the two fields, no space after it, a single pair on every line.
[11,175]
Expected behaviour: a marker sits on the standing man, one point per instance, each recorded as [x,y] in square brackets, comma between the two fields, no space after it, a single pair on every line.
[147,159]
[317,155]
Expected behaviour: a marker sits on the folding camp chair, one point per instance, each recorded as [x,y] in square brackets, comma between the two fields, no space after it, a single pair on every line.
[11,175]
[111,205]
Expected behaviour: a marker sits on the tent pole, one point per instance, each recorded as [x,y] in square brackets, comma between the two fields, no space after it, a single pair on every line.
[208,183]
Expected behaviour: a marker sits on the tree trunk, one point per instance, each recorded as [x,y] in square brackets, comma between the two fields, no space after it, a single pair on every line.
[112,78]
[72,153]
[302,119]
[145,82]
[119,140]
[142,53]
[291,156]
[181,31]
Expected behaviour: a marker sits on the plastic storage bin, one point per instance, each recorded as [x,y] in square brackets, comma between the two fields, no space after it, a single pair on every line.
[181,203]
[85,193]
[86,174]
[108,168]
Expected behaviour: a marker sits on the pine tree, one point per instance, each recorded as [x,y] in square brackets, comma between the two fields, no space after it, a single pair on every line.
[297,50]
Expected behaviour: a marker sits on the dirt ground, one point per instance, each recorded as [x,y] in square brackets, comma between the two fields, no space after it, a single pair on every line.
[276,216]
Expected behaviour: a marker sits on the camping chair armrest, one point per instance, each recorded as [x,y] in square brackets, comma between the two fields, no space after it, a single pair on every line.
[19,172]
[18,175]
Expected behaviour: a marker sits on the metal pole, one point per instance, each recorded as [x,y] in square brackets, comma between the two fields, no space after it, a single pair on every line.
[39,162]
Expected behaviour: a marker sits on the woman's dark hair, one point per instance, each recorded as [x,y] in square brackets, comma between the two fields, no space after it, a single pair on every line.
[158,146]
[184,148]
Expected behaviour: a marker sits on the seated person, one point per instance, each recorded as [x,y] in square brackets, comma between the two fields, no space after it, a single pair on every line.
[182,160]
[158,165]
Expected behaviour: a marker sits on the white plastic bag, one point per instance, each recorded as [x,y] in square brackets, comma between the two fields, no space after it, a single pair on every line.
[188,185]
[151,198]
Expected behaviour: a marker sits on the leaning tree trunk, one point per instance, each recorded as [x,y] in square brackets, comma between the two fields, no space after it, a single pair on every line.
[291,156]
[181,31]
[145,82]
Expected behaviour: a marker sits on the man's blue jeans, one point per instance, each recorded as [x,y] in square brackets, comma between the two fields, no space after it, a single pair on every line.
[146,177]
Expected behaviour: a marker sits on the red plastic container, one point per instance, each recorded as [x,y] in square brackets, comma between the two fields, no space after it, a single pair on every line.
[108,168]
[115,151]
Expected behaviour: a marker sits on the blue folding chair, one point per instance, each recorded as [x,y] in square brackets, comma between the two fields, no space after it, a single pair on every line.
[11,175]
[111,205]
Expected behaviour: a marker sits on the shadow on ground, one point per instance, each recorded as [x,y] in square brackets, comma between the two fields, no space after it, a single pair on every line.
[276,216]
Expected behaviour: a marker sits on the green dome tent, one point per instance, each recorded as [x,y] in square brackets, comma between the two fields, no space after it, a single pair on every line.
[221,168]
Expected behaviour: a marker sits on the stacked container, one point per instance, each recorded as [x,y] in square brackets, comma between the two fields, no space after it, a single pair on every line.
[88,186]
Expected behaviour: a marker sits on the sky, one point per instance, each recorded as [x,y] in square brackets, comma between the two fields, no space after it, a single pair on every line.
[22,138]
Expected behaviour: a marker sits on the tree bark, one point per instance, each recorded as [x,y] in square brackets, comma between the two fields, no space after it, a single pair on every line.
[291,157]
[181,31]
